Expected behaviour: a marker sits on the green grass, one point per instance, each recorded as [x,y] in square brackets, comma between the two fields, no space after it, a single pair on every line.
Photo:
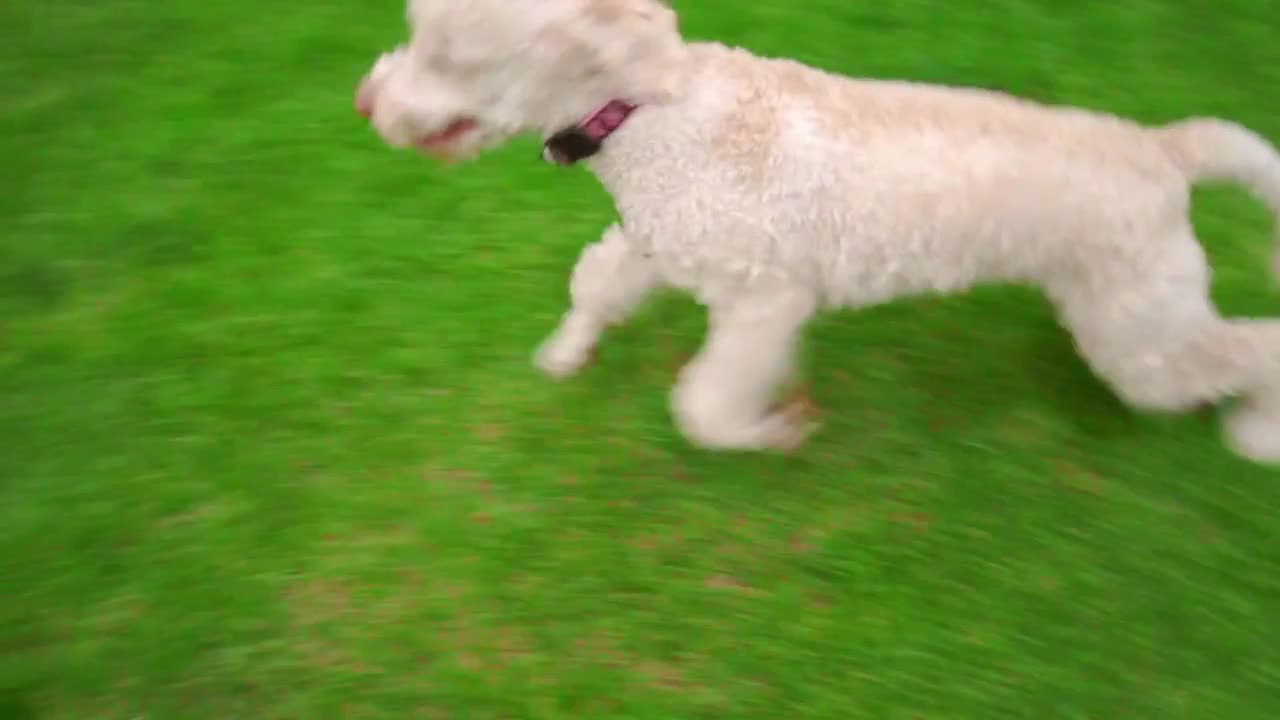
[272,446]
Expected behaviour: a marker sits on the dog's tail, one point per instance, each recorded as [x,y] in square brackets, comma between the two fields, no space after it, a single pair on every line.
[1219,150]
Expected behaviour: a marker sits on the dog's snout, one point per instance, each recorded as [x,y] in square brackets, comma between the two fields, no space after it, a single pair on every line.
[364,100]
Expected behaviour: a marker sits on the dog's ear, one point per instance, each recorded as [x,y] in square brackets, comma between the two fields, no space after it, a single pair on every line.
[638,43]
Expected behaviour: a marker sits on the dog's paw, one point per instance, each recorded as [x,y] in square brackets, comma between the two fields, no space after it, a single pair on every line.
[1253,432]
[792,424]
[559,360]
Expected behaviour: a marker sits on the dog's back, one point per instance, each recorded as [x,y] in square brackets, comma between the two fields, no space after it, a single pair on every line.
[872,189]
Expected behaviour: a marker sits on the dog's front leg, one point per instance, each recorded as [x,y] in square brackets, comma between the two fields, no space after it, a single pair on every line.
[723,398]
[609,281]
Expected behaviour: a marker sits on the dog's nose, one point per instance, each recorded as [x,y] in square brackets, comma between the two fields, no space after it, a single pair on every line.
[364,101]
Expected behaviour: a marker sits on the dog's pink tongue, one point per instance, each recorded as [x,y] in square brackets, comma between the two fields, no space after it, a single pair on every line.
[451,132]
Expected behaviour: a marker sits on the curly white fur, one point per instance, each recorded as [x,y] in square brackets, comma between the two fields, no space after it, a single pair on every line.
[772,191]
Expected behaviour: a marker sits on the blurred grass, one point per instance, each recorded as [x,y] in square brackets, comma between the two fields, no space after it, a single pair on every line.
[272,448]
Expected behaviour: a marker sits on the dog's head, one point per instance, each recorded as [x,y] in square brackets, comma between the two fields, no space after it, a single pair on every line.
[477,72]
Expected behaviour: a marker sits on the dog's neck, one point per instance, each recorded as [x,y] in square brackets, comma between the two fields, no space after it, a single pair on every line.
[586,138]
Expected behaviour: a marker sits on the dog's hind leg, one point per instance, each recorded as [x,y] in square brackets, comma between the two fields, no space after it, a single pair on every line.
[609,281]
[1252,427]
[723,396]
[1160,344]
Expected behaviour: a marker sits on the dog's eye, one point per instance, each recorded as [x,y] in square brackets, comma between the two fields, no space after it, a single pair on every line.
[428,54]
[440,62]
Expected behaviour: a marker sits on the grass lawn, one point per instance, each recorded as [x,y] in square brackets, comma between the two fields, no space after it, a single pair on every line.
[271,445]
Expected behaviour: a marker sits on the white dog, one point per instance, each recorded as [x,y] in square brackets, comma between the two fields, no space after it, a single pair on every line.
[771,191]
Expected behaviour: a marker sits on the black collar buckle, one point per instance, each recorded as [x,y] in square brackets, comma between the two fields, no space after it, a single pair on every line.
[569,146]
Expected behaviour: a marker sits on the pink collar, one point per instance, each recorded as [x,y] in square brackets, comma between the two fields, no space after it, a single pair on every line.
[586,138]
[601,123]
